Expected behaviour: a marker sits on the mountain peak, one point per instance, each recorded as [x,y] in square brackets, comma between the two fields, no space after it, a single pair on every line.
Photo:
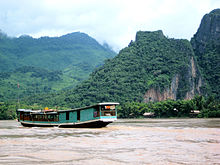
[75,34]
[2,34]
[215,12]
[152,35]
[209,28]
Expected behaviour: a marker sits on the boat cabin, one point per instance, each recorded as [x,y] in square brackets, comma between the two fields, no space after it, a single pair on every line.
[98,115]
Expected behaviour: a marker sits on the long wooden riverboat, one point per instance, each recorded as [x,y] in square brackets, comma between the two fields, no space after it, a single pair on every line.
[95,116]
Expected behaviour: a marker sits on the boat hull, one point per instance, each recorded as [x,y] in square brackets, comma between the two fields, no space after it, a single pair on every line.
[29,124]
[90,124]
[95,124]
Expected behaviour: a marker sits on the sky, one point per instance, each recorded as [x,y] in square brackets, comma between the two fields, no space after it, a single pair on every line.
[108,21]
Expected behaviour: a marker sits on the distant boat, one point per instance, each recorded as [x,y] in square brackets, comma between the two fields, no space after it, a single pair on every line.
[95,116]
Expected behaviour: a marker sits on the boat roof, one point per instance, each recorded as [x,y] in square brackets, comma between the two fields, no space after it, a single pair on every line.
[104,103]
[108,103]
[25,110]
[40,111]
[36,111]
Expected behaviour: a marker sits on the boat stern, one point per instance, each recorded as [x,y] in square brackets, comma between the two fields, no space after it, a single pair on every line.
[109,119]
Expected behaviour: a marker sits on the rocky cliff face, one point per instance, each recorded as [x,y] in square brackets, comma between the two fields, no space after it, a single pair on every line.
[169,93]
[206,46]
[193,79]
[209,29]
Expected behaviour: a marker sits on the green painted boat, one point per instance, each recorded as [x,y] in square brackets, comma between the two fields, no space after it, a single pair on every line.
[95,116]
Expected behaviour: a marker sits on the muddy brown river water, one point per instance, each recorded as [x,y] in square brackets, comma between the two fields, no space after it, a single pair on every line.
[127,141]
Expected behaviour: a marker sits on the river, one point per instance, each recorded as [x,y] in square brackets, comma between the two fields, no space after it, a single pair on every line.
[125,142]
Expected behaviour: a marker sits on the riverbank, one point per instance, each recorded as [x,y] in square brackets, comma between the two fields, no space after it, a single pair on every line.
[198,107]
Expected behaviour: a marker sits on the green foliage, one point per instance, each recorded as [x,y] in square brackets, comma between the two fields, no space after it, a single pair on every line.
[7,111]
[47,64]
[209,62]
[26,81]
[208,107]
[55,53]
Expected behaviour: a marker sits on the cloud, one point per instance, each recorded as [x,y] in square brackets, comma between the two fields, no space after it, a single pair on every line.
[113,21]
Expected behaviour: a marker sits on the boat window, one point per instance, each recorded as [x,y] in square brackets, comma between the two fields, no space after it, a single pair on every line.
[26,116]
[22,116]
[67,115]
[108,110]
[78,115]
[44,117]
[96,112]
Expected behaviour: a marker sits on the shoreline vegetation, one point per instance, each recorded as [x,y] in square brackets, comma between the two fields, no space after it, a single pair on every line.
[198,107]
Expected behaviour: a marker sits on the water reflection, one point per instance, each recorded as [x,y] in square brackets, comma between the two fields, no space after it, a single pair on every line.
[146,141]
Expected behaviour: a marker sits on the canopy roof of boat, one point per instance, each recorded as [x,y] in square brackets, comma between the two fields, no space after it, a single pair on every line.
[37,111]
[104,103]
[55,111]
[108,103]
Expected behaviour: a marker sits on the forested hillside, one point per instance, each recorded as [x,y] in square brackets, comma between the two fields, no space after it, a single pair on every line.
[47,64]
[150,62]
